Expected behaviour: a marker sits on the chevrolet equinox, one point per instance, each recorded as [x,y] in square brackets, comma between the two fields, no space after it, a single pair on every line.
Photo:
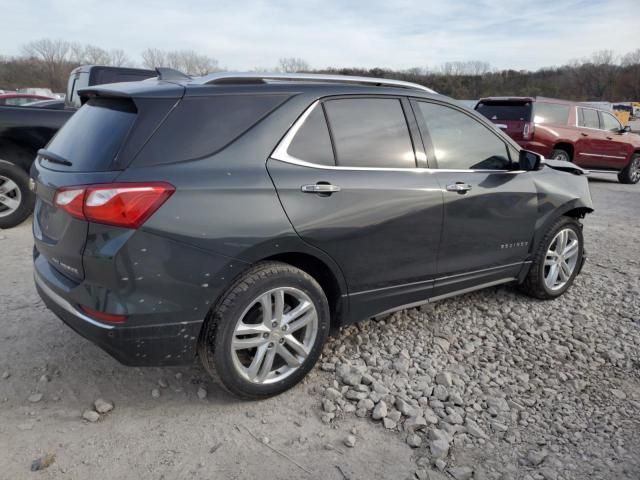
[240,218]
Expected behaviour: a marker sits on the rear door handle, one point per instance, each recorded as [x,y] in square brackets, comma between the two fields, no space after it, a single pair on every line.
[459,187]
[584,134]
[325,188]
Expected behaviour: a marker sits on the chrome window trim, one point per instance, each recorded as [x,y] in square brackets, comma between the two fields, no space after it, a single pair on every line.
[591,128]
[614,117]
[281,153]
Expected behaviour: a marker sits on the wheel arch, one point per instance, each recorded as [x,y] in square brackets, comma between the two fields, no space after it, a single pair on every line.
[331,281]
[575,208]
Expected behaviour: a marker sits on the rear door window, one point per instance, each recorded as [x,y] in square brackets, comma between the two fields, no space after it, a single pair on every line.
[505,110]
[461,142]
[92,137]
[312,142]
[370,132]
[553,113]
[588,118]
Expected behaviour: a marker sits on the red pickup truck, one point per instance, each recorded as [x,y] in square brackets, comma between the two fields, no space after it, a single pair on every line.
[590,137]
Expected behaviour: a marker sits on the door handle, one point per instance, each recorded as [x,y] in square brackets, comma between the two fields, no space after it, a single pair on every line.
[584,134]
[322,188]
[609,138]
[459,187]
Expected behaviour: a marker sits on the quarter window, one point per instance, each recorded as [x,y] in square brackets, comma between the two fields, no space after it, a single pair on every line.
[609,122]
[370,132]
[312,142]
[551,113]
[588,118]
[462,143]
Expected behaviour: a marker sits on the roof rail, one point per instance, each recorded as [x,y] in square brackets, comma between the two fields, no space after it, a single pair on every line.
[234,77]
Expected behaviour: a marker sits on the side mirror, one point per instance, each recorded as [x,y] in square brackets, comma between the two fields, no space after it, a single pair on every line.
[625,129]
[529,161]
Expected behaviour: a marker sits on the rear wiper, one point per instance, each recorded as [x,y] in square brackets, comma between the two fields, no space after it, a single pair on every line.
[53,158]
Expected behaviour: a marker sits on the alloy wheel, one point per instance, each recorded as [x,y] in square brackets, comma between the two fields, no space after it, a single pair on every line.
[10,196]
[635,170]
[561,259]
[274,335]
[561,155]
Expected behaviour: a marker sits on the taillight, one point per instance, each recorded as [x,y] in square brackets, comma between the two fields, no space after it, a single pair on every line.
[527,132]
[71,200]
[126,205]
[105,317]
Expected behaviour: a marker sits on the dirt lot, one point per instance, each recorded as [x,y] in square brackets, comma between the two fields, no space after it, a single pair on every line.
[553,388]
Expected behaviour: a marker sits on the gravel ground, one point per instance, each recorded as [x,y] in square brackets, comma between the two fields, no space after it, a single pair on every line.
[488,385]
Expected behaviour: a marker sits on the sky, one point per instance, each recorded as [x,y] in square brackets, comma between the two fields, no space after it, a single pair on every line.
[398,34]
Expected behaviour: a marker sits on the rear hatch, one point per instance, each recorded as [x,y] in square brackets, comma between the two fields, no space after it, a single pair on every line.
[93,147]
[512,116]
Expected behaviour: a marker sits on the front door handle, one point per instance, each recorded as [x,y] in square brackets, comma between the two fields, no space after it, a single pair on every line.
[321,188]
[459,187]
[584,134]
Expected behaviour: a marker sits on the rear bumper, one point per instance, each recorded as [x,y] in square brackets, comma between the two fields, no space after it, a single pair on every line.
[148,345]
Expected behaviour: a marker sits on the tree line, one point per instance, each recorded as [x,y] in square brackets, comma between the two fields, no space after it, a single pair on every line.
[603,76]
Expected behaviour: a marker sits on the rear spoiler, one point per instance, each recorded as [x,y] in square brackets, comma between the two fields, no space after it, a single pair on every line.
[151,88]
[565,167]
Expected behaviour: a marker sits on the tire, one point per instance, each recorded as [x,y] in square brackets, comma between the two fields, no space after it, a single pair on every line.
[631,173]
[535,284]
[242,303]
[16,200]
[560,154]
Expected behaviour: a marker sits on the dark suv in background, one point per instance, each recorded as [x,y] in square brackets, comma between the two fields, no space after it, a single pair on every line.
[574,132]
[241,217]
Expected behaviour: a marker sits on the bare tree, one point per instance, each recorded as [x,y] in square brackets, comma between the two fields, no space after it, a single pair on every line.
[631,58]
[191,62]
[55,55]
[292,65]
[474,68]
[89,55]
[187,61]
[118,58]
[152,58]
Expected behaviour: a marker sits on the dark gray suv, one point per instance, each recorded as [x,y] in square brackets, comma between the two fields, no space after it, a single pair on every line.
[241,217]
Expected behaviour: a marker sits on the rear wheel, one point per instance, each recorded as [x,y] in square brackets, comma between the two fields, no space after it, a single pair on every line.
[267,331]
[16,200]
[560,154]
[557,261]
[631,173]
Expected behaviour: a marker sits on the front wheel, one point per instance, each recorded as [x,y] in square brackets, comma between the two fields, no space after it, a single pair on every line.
[557,260]
[631,173]
[16,200]
[266,332]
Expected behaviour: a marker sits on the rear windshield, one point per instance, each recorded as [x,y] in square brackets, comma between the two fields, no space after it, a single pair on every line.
[90,140]
[506,110]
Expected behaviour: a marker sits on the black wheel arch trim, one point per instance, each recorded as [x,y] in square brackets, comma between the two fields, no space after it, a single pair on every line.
[576,205]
